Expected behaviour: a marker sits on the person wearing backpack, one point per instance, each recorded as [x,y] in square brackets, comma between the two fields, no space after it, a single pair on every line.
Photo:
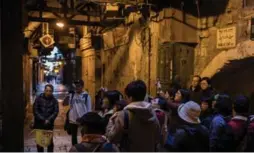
[190,135]
[93,139]
[80,104]
[248,146]
[239,123]
[220,131]
[136,128]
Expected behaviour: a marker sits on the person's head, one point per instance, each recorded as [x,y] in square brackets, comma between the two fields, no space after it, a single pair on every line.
[189,112]
[205,83]
[206,104]
[110,98]
[196,81]
[48,90]
[182,96]
[79,85]
[120,105]
[92,123]
[241,105]
[136,91]
[223,105]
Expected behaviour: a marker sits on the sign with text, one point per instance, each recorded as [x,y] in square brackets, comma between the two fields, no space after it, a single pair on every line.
[226,38]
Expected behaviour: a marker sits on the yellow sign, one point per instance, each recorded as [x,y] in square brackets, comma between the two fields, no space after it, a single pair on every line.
[43,137]
[226,38]
[47,41]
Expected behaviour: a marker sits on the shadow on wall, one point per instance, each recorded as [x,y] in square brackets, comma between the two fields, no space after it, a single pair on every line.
[236,77]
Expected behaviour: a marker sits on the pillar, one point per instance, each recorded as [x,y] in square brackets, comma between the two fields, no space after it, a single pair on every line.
[88,64]
[11,76]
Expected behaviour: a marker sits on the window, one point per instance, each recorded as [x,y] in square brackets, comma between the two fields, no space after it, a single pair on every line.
[248,3]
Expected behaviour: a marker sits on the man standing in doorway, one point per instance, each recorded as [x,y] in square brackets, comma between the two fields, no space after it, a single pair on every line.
[80,104]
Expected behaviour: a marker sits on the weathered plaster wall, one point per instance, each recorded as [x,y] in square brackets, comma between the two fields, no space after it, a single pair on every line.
[209,59]
[126,54]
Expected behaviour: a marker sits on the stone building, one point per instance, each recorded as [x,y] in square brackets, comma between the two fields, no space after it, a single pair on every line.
[183,39]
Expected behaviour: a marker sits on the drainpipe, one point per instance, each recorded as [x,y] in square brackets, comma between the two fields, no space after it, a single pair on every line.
[149,60]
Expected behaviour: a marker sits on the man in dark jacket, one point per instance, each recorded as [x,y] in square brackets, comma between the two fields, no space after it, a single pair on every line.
[195,90]
[191,136]
[45,111]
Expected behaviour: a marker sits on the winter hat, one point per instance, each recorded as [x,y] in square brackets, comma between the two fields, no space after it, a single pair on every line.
[190,112]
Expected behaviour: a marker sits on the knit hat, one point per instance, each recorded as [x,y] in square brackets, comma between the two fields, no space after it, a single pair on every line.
[190,112]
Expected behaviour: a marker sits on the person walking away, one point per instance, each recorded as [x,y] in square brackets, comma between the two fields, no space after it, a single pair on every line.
[195,94]
[93,139]
[80,104]
[206,115]
[249,147]
[136,128]
[239,123]
[220,132]
[45,111]
[190,136]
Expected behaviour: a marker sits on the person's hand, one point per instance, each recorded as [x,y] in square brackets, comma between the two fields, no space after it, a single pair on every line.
[47,122]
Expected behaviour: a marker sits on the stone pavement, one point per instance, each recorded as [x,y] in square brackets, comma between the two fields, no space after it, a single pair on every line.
[62,141]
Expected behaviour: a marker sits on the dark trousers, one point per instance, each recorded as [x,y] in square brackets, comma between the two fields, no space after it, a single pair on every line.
[49,149]
[74,133]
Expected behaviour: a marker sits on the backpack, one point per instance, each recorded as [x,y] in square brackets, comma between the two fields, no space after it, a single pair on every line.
[201,139]
[103,147]
[225,138]
[67,122]
[124,144]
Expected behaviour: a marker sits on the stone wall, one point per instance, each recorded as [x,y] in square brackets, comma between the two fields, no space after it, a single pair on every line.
[209,59]
[126,53]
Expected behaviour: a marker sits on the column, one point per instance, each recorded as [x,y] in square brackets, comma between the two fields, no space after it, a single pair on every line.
[11,76]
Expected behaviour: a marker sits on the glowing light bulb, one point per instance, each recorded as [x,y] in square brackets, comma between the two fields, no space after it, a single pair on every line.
[60,24]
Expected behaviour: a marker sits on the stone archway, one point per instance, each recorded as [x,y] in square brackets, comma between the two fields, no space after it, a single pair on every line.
[232,71]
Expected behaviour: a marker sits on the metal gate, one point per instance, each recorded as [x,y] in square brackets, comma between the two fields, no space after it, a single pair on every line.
[175,59]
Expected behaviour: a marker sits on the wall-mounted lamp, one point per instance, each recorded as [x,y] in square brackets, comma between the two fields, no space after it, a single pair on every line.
[60,24]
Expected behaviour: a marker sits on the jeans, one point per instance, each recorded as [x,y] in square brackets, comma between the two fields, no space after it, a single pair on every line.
[74,133]
[49,149]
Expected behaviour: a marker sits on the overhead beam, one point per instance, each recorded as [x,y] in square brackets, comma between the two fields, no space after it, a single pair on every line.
[71,22]
[78,22]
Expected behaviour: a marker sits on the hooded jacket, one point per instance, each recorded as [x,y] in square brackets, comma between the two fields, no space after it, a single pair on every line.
[143,129]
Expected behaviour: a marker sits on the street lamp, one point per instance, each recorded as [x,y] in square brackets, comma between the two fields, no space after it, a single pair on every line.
[60,24]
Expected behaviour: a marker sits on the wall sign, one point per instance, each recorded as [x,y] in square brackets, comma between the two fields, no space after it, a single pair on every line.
[226,38]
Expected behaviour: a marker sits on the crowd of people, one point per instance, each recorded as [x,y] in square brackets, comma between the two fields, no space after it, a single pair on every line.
[197,119]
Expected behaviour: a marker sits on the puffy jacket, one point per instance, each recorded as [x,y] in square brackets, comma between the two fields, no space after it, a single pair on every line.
[45,109]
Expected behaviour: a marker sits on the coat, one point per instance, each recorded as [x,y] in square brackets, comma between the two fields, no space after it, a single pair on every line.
[143,132]
[45,109]
[191,138]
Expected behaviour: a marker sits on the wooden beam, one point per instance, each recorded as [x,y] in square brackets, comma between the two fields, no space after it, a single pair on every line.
[71,22]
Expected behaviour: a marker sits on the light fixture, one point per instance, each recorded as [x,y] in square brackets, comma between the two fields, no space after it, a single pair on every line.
[60,24]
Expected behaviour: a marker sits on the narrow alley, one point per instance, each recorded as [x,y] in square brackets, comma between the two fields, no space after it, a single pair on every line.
[178,71]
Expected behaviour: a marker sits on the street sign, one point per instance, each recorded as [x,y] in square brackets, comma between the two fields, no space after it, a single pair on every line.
[47,41]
